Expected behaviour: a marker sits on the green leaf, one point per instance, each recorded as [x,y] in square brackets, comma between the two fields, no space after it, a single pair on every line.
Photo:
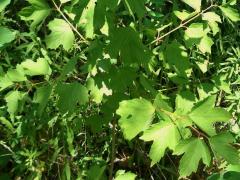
[182,15]
[3,4]
[95,93]
[221,144]
[126,42]
[164,135]
[12,99]
[61,35]
[70,95]
[6,36]
[70,138]
[231,13]
[16,75]
[211,17]
[7,123]
[225,175]
[40,67]
[64,1]
[37,12]
[204,115]
[177,57]
[115,80]
[41,97]
[135,6]
[206,44]
[5,82]
[214,27]
[96,172]
[67,171]
[221,82]
[194,150]
[136,116]
[69,67]
[87,19]
[122,175]
[184,102]
[195,4]
[162,102]
[195,30]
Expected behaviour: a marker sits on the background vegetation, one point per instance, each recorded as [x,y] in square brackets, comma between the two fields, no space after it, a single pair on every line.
[123,89]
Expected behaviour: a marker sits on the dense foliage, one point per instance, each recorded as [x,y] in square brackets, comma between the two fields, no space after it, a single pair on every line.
[119,89]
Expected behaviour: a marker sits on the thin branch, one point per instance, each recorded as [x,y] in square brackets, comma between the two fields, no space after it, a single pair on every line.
[113,154]
[182,24]
[200,134]
[69,23]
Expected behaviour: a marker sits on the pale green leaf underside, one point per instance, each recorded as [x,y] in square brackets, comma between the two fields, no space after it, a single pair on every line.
[195,30]
[211,17]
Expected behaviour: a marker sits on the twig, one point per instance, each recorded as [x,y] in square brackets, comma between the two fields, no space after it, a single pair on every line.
[182,24]
[113,154]
[198,132]
[69,23]
[219,98]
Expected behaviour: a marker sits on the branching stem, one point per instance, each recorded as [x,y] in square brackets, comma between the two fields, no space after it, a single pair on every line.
[69,23]
[183,24]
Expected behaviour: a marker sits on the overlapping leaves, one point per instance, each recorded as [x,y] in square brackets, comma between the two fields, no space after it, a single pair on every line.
[136,116]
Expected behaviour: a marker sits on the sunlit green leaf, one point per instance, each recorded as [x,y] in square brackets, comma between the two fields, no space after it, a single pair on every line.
[122,175]
[195,4]
[40,67]
[206,44]
[194,150]
[3,4]
[211,17]
[12,99]
[164,135]
[231,13]
[136,116]
[61,35]
[210,116]
[17,75]
[37,12]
